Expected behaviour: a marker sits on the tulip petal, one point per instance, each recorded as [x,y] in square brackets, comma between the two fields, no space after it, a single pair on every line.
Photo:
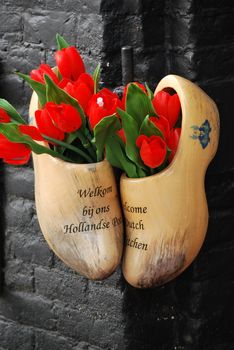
[173,109]
[46,125]
[31,131]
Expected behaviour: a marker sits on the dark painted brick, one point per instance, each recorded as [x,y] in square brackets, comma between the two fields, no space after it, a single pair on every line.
[121,7]
[51,341]
[221,58]
[153,31]
[179,32]
[89,30]
[28,309]
[19,213]
[149,66]
[53,284]
[20,182]
[14,336]
[155,7]
[42,27]
[105,300]
[86,346]
[76,324]
[219,229]
[82,6]
[220,190]
[107,334]
[10,22]
[215,263]
[60,308]
[130,34]
[181,63]
[221,92]
[19,276]
[11,88]
[40,4]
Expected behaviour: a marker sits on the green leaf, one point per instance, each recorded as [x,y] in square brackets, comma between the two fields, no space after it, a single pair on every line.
[96,78]
[70,147]
[57,95]
[131,131]
[115,154]
[12,133]
[149,92]
[38,87]
[102,131]
[138,104]
[11,111]
[61,42]
[148,128]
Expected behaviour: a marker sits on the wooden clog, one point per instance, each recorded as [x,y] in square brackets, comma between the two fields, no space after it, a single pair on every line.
[79,212]
[166,214]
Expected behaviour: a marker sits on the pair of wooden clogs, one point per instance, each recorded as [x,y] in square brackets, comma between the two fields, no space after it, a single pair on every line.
[166,214]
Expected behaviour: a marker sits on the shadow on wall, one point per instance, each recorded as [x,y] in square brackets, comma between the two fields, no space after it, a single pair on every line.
[157,318]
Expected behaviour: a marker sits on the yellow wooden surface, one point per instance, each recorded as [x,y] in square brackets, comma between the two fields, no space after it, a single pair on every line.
[166,214]
[73,201]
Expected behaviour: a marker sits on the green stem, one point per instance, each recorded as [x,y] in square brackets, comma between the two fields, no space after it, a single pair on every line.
[87,144]
[57,155]
[72,148]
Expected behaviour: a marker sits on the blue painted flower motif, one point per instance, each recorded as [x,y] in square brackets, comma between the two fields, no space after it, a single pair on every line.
[202,133]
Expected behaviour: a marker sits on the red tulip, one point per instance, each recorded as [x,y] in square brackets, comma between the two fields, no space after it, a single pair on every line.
[162,124]
[81,90]
[168,106]
[13,153]
[126,89]
[4,117]
[46,126]
[153,150]
[173,142]
[65,116]
[31,131]
[101,105]
[69,63]
[38,74]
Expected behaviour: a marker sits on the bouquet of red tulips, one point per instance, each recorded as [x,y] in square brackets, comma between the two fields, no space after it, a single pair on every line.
[78,122]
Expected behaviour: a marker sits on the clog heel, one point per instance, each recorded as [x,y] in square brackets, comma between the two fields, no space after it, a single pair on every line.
[79,212]
[166,213]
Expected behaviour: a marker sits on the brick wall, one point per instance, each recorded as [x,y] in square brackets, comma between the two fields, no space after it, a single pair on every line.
[43,304]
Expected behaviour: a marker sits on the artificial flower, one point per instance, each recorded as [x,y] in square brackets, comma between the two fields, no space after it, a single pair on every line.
[173,142]
[162,123]
[101,105]
[65,116]
[153,150]
[4,117]
[13,153]
[46,125]
[168,106]
[69,63]
[31,131]
[38,74]
[82,90]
